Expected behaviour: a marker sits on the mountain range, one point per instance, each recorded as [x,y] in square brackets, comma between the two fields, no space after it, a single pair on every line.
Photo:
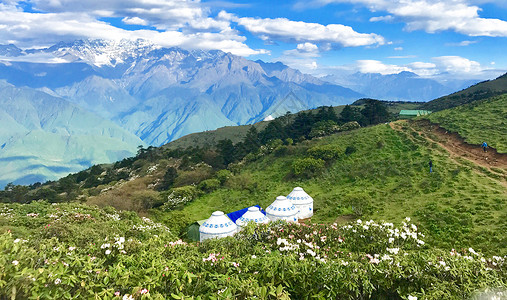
[143,94]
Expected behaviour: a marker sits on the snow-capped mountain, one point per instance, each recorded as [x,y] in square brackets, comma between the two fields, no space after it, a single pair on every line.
[155,92]
[160,94]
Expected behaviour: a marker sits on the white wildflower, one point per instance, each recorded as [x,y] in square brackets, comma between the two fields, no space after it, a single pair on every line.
[15,262]
[58,281]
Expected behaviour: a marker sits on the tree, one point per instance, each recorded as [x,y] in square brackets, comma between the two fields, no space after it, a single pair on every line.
[227,151]
[350,113]
[168,180]
[274,130]
[326,113]
[375,112]
[251,142]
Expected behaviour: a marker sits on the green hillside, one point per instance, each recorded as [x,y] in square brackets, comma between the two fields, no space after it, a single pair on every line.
[480,121]
[438,235]
[237,133]
[479,91]
[386,178]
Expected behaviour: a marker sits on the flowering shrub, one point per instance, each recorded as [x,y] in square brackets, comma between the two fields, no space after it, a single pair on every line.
[180,196]
[136,258]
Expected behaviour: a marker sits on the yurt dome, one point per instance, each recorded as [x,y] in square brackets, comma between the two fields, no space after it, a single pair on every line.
[282,209]
[252,214]
[302,201]
[217,226]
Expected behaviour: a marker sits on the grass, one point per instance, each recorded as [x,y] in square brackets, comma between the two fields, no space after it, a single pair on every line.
[386,178]
[480,121]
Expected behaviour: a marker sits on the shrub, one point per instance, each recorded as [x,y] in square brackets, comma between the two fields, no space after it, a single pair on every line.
[147,199]
[195,175]
[223,175]
[323,128]
[242,182]
[180,196]
[350,126]
[350,149]
[324,152]
[209,185]
[307,167]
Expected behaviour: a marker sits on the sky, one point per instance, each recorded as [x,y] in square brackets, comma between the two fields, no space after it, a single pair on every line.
[465,39]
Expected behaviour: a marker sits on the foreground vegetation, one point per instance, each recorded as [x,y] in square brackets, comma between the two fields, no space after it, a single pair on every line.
[67,251]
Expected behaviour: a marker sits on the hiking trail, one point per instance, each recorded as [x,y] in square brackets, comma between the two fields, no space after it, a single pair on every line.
[455,145]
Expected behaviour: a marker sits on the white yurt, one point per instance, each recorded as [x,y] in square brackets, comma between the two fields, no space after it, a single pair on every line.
[302,201]
[252,214]
[282,209]
[217,226]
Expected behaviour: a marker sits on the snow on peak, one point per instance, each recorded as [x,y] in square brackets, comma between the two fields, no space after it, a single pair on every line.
[269,118]
[103,52]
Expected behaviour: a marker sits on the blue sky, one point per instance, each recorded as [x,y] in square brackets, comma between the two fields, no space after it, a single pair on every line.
[464,39]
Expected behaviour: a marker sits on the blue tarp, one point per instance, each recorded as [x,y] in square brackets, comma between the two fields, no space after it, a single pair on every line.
[237,214]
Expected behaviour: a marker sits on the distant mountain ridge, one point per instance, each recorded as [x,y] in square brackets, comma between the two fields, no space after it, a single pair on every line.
[43,137]
[403,86]
[157,94]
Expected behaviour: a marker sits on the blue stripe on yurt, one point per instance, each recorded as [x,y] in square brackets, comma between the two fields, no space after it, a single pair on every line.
[235,215]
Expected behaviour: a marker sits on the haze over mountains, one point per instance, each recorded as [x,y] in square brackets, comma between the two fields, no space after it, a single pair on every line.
[95,101]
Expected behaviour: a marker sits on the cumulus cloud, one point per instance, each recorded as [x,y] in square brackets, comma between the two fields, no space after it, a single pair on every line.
[375,66]
[433,15]
[67,20]
[134,21]
[455,65]
[299,32]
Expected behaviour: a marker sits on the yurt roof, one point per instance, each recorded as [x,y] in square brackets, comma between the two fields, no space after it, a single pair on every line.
[299,196]
[252,214]
[235,215]
[218,223]
[282,207]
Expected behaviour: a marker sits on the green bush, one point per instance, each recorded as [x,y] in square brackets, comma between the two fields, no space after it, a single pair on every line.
[209,185]
[178,197]
[350,126]
[307,167]
[324,152]
[350,149]
[223,175]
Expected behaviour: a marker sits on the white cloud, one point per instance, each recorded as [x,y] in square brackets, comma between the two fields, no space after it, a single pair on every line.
[457,64]
[27,29]
[454,65]
[134,21]
[375,66]
[433,15]
[299,32]
[307,47]
[461,44]
[163,14]
[398,49]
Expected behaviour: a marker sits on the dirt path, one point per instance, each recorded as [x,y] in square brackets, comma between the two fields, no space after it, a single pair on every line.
[455,145]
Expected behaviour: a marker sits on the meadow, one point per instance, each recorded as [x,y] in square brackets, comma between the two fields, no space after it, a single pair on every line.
[480,121]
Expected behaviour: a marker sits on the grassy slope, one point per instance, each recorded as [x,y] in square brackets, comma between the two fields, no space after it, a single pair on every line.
[476,122]
[476,92]
[387,178]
